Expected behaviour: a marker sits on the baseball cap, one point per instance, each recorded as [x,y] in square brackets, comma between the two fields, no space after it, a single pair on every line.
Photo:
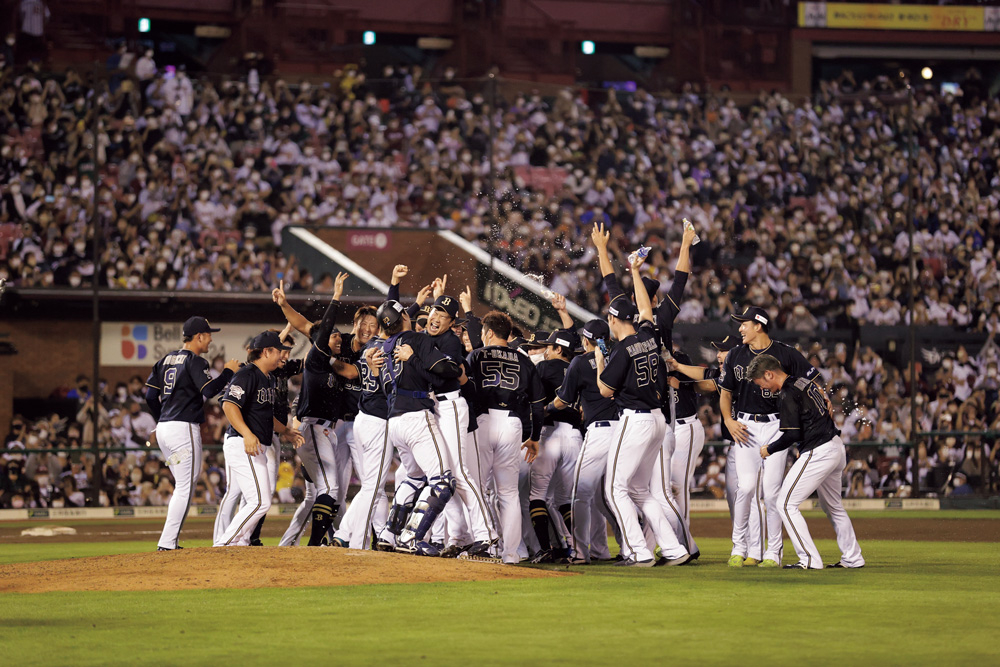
[536,339]
[448,304]
[753,314]
[652,286]
[563,338]
[622,308]
[726,344]
[422,315]
[197,325]
[595,329]
[389,313]
[267,339]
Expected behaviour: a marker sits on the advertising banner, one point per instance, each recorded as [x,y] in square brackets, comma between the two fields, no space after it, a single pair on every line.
[865,16]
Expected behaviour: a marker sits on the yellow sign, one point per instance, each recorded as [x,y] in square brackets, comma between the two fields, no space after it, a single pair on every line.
[892,17]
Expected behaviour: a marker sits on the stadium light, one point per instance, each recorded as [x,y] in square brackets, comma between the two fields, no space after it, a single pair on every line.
[587,47]
[368,37]
[144,25]
[927,73]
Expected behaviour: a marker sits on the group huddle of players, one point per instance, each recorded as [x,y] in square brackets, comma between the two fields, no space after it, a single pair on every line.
[517,447]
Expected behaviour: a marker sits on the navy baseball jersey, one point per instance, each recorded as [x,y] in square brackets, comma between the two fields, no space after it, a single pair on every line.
[291,368]
[685,398]
[350,389]
[804,417]
[580,385]
[713,374]
[505,379]
[372,401]
[552,373]
[449,345]
[178,386]
[409,384]
[747,396]
[321,393]
[633,370]
[253,393]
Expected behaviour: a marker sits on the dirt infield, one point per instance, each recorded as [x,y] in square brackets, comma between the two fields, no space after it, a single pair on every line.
[248,567]
[883,528]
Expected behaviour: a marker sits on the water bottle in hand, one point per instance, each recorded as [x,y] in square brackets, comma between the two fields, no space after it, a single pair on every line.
[641,253]
[687,226]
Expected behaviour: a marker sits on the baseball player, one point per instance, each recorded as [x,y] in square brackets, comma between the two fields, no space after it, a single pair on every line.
[232,498]
[634,377]
[175,392]
[249,407]
[559,447]
[319,404]
[600,415]
[408,366]
[509,404]
[369,509]
[349,454]
[804,418]
[756,424]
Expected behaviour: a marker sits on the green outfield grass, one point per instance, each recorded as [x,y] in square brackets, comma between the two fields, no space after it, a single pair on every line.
[915,603]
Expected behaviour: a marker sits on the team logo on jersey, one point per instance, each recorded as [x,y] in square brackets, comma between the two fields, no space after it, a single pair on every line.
[134,339]
[236,392]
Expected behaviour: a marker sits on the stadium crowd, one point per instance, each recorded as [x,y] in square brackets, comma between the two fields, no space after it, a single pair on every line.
[801,209]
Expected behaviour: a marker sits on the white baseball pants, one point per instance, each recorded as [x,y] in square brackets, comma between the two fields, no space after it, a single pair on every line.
[370,507]
[454,422]
[758,485]
[318,455]
[229,502]
[348,455]
[417,436]
[818,470]
[689,441]
[588,492]
[499,440]
[251,478]
[180,444]
[631,460]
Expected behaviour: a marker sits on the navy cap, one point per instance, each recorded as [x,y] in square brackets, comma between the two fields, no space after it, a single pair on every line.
[197,325]
[753,314]
[536,339]
[622,308]
[595,329]
[652,286]
[267,339]
[448,304]
[726,344]
[389,313]
[564,338]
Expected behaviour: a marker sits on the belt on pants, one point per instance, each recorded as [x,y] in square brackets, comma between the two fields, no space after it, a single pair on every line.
[687,420]
[450,396]
[604,424]
[319,422]
[762,419]
[638,412]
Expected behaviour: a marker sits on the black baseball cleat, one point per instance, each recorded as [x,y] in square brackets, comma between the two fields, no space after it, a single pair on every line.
[256,543]
[479,548]
[167,549]
[795,566]
[696,555]
[632,562]
[544,556]
[839,565]
[683,560]
[452,551]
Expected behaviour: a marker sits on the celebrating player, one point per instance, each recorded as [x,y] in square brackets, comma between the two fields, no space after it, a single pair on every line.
[175,392]
[634,377]
[805,419]
[249,407]
[751,415]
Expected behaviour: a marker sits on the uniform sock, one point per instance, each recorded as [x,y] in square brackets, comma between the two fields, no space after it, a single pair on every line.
[255,535]
[540,522]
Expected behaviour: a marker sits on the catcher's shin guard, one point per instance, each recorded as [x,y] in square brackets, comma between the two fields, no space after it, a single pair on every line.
[323,512]
[432,500]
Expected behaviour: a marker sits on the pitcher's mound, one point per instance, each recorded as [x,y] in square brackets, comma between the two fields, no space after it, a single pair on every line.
[248,567]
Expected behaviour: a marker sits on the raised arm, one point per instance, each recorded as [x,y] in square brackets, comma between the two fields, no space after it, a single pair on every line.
[292,316]
[559,303]
[642,301]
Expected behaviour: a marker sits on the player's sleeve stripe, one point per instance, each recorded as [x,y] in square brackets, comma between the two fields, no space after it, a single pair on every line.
[154,386]
[226,399]
[206,384]
[541,400]
[435,363]
[672,301]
